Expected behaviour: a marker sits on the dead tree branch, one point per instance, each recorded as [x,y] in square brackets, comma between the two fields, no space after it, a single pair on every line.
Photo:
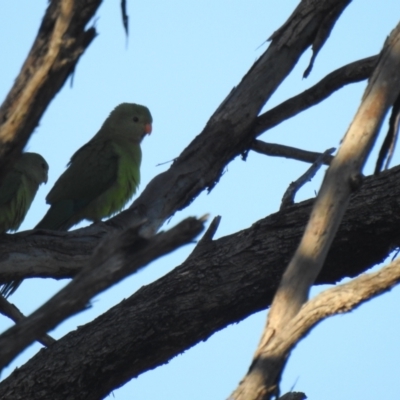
[290,193]
[341,179]
[129,252]
[12,312]
[351,73]
[279,150]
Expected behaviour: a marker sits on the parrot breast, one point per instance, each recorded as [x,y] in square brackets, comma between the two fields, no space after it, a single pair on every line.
[125,186]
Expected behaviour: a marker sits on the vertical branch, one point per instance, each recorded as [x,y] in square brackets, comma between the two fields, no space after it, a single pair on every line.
[342,178]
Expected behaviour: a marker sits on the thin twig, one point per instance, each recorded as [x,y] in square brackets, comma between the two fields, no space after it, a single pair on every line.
[11,311]
[280,150]
[288,197]
[351,73]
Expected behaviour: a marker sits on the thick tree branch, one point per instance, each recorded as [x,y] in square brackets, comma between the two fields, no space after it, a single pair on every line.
[127,253]
[221,283]
[341,179]
[60,42]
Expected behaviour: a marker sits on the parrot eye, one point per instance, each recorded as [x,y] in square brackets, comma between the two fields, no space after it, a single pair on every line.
[43,165]
[135,119]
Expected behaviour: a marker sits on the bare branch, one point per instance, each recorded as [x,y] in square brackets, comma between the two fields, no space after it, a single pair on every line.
[323,33]
[351,73]
[125,17]
[389,144]
[288,196]
[280,150]
[340,180]
[12,312]
[339,299]
[109,264]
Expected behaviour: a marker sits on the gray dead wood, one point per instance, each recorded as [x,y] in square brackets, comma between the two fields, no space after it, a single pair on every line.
[290,193]
[342,178]
[279,150]
[351,73]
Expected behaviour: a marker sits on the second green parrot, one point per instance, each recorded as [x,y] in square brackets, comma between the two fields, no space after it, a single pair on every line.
[19,188]
[17,192]
[103,174]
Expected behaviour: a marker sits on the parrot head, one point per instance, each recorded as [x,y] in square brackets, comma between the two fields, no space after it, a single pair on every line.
[131,120]
[34,166]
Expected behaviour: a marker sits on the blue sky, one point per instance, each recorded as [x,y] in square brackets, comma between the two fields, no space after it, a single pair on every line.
[182,59]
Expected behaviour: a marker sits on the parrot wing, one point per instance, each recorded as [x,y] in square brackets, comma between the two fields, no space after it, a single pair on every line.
[92,170]
[10,186]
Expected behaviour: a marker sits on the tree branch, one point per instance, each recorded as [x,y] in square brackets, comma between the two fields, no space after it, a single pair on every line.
[351,73]
[341,179]
[59,255]
[127,253]
[12,312]
[279,150]
[290,193]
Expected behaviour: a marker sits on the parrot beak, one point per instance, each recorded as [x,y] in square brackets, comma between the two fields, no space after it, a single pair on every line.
[148,128]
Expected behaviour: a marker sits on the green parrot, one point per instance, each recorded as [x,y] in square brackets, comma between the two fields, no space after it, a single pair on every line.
[17,192]
[103,174]
[19,188]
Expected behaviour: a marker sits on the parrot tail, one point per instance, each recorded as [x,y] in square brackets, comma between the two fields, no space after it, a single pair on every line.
[58,217]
